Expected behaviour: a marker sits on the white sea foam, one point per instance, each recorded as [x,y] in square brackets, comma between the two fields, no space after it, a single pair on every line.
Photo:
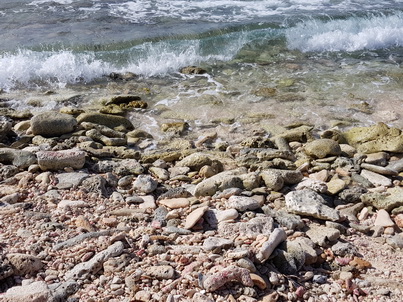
[352,34]
[36,2]
[29,68]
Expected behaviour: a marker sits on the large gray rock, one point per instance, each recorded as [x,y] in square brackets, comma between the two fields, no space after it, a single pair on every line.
[35,292]
[24,264]
[58,160]
[309,203]
[70,180]
[216,244]
[195,161]
[322,148]
[121,168]
[251,228]
[242,203]
[145,184]
[322,235]
[376,179]
[109,120]
[52,123]
[20,158]
[273,180]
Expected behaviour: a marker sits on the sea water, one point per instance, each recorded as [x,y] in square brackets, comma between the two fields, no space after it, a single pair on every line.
[323,62]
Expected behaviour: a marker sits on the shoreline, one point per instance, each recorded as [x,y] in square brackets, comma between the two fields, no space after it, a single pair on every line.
[292,216]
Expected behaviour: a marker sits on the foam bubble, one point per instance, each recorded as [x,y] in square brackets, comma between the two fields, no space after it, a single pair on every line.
[30,68]
[352,34]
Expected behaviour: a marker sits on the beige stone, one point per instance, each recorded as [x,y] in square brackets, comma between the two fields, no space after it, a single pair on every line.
[383,219]
[194,217]
[175,203]
[258,281]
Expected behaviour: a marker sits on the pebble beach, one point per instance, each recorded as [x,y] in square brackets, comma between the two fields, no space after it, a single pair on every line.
[94,208]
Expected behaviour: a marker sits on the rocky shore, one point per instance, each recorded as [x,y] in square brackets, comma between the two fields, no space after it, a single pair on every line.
[94,210]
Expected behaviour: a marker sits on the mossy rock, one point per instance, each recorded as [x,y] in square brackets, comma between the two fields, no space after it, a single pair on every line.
[375,138]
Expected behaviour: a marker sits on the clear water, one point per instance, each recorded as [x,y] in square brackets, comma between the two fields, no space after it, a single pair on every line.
[323,60]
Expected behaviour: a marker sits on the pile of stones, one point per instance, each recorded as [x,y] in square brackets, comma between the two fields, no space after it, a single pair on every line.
[87,214]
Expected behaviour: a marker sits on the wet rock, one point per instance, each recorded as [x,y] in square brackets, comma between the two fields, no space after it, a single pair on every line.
[19,158]
[322,148]
[58,160]
[321,235]
[310,203]
[160,272]
[376,179]
[216,244]
[24,264]
[194,217]
[242,203]
[52,123]
[145,184]
[192,70]
[229,274]
[103,139]
[175,127]
[111,121]
[276,237]
[388,200]
[375,138]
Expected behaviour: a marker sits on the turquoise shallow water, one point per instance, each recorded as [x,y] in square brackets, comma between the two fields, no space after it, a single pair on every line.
[322,60]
